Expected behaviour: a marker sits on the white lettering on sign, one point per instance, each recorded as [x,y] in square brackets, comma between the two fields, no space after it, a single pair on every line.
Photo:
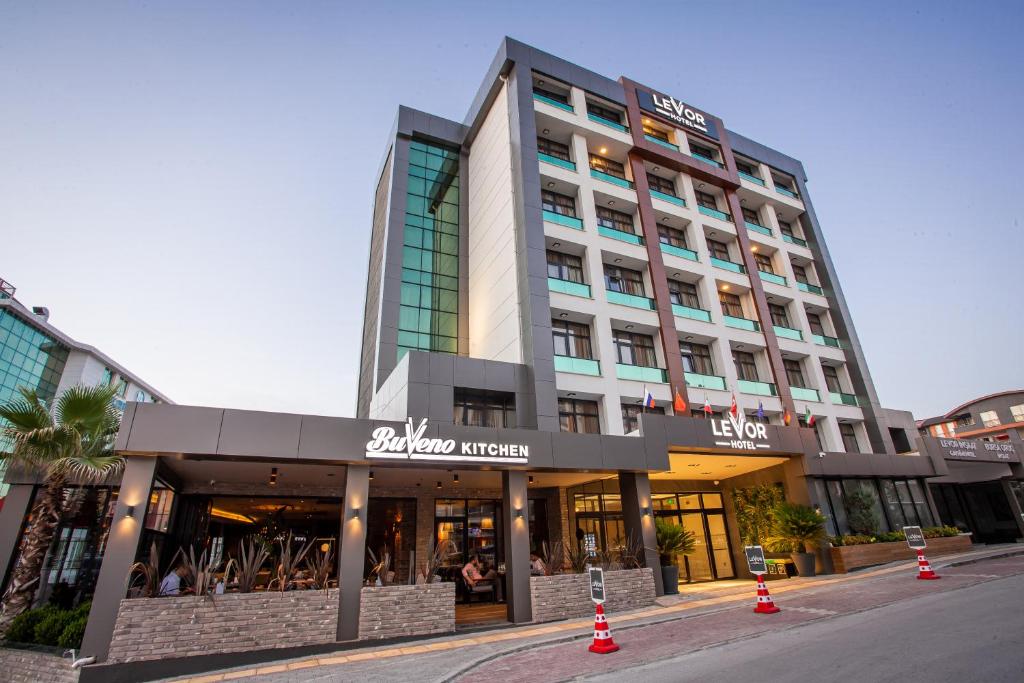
[741,434]
[1001,450]
[679,112]
[386,443]
[958,448]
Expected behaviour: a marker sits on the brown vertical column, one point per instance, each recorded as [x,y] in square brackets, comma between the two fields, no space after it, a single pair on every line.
[12,517]
[352,550]
[517,546]
[635,489]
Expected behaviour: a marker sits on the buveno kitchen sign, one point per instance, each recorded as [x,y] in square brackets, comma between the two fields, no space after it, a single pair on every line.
[677,112]
[385,442]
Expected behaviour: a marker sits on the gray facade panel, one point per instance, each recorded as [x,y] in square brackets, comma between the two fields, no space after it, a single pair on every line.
[174,429]
[248,432]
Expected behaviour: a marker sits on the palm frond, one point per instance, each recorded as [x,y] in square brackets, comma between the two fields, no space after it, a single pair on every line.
[85,408]
[26,414]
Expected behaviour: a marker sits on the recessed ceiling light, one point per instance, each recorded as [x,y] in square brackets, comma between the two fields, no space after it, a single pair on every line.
[556,244]
[563,315]
[754,249]
[689,337]
[629,327]
[611,202]
[712,234]
[540,82]
[657,168]
[692,464]
[604,150]
[546,131]
[572,393]
[618,260]
[739,346]
[551,184]
[701,186]
[743,201]
[705,473]
[675,274]
[725,288]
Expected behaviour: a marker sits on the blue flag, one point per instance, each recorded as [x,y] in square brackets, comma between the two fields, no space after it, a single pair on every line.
[760,411]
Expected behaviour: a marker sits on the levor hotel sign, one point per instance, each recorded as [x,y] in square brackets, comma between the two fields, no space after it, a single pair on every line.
[677,112]
[386,443]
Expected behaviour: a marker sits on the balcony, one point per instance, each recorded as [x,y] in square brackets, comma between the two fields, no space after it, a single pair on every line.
[786,191]
[706,160]
[578,366]
[620,235]
[808,287]
[696,381]
[757,388]
[638,373]
[772,278]
[788,333]
[793,239]
[554,103]
[663,143]
[752,178]
[742,323]
[727,265]
[569,287]
[562,219]
[691,313]
[841,399]
[632,300]
[824,340]
[601,175]
[804,394]
[555,161]
[756,227]
[670,198]
[715,213]
[681,252]
[608,122]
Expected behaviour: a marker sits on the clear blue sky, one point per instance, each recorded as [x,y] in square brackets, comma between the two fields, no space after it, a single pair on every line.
[188,185]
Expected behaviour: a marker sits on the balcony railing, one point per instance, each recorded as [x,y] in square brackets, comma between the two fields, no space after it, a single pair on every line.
[639,373]
[562,219]
[706,160]
[555,161]
[742,323]
[681,252]
[842,399]
[788,333]
[614,180]
[620,235]
[752,178]
[569,287]
[786,191]
[691,313]
[808,287]
[715,213]
[727,265]
[608,122]
[757,388]
[663,143]
[579,366]
[773,278]
[825,340]
[705,381]
[670,198]
[804,394]
[757,227]
[632,300]
[793,239]
[554,103]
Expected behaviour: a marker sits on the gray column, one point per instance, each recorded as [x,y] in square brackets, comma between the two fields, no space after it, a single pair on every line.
[16,509]
[635,489]
[352,550]
[516,522]
[1011,500]
[119,555]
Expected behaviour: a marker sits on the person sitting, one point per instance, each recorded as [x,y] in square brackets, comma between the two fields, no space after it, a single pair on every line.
[476,581]
[537,566]
[171,585]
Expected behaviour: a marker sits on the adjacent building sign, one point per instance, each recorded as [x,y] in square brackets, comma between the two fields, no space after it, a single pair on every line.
[679,113]
[915,538]
[386,443]
[597,585]
[970,449]
[755,559]
[738,433]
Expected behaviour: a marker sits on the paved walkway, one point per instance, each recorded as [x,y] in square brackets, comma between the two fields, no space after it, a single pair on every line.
[700,616]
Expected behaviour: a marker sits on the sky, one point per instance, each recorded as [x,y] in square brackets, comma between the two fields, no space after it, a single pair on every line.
[188,186]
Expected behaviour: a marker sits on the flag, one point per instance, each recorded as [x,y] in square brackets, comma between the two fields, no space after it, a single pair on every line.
[787,418]
[760,411]
[808,418]
[733,410]
[648,398]
[707,406]
[678,404]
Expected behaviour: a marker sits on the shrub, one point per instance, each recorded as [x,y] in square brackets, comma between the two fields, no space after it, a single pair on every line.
[71,637]
[860,512]
[23,627]
[49,630]
[797,528]
[890,537]
[940,531]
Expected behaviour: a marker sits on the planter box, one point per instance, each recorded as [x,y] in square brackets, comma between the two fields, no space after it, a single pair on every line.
[567,596]
[159,628]
[397,611]
[35,664]
[848,557]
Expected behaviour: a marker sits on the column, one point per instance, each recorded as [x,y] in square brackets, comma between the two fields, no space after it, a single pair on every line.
[516,525]
[1011,500]
[352,550]
[635,489]
[120,553]
[15,511]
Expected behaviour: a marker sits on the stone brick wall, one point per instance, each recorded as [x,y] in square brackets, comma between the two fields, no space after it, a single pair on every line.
[566,596]
[395,611]
[31,666]
[157,628]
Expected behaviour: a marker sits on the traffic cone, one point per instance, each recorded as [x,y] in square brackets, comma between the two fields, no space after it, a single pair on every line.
[603,643]
[764,601]
[924,570]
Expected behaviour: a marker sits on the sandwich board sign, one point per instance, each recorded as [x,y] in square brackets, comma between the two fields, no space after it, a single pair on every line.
[597,585]
[755,559]
[915,539]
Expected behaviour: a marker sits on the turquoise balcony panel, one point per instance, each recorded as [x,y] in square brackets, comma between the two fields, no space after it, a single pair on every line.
[670,198]
[792,239]
[786,191]
[773,278]
[601,175]
[715,213]
[752,178]
[562,219]
[839,398]
[608,122]
[554,103]
[706,160]
[620,235]
[727,265]
[823,340]
[568,287]
[756,388]
[555,161]
[742,323]
[681,252]
[663,143]
[803,394]
[641,374]
[632,300]
[705,381]
[578,366]
[788,333]
[808,287]
[691,313]
[758,228]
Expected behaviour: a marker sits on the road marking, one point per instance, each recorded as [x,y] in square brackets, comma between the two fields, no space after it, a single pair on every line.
[813,610]
[979,576]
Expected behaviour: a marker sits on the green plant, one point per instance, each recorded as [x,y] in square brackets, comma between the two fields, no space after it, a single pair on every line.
[631,553]
[252,555]
[320,565]
[49,630]
[287,562]
[439,558]
[576,557]
[71,637]
[23,626]
[755,511]
[672,540]
[890,537]
[144,576]
[860,512]
[797,528]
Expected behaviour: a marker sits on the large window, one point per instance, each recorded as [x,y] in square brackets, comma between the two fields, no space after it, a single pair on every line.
[662,185]
[814,320]
[683,294]
[800,273]
[672,236]
[561,204]
[604,112]
[571,339]
[832,378]
[780,318]
[473,526]
[730,304]
[706,200]
[1017,412]
[719,250]
[750,216]
[894,503]
[577,415]
[849,435]
[565,266]
[551,94]
[989,418]
[703,150]
[696,358]
[631,416]
[634,349]
[614,220]
[746,167]
[655,132]
[764,263]
[607,166]
[746,368]
[485,408]
[623,280]
[794,373]
[553,149]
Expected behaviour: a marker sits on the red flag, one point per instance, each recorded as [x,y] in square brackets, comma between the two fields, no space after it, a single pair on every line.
[787,418]
[678,404]
[733,410]
[707,406]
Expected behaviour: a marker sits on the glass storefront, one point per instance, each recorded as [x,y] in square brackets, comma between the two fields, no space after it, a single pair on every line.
[473,526]
[895,503]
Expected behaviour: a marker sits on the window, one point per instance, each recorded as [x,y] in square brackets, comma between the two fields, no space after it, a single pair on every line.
[631,413]
[750,216]
[746,368]
[122,387]
[571,339]
[672,236]
[485,408]
[702,150]
[696,358]
[578,416]
[730,304]
[832,378]
[779,316]
[604,112]
[551,94]
[719,250]
[786,229]
[794,373]
[558,203]
[784,183]
[1017,412]
[634,349]
[800,273]
[965,421]
[989,418]
[706,200]
[614,220]
[662,185]
[814,320]
[607,166]
[744,167]
[623,280]
[158,512]
[655,132]
[683,294]
[764,263]
[565,267]
[553,149]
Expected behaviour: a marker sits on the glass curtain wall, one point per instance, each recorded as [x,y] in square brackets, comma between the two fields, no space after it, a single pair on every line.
[895,503]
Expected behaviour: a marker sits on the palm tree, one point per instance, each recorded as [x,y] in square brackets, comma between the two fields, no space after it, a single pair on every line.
[69,443]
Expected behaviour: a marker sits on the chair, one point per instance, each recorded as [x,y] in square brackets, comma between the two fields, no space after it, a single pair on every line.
[467,592]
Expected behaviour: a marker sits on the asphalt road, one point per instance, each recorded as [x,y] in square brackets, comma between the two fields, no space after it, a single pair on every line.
[973,634]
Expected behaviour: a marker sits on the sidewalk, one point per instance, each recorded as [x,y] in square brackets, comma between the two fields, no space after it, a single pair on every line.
[450,657]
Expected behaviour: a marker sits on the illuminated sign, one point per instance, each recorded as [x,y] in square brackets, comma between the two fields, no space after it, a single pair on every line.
[736,432]
[386,443]
[677,112]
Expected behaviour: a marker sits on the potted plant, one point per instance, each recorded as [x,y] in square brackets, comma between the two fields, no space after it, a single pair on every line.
[798,529]
[673,540]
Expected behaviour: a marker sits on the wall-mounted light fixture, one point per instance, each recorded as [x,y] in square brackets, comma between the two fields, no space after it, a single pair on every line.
[273,476]
[531,478]
[646,511]
[356,513]
[455,478]
[129,511]
[519,513]
[438,485]
[371,475]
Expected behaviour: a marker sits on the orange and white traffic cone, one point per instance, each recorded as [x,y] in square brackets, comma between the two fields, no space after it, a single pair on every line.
[603,643]
[924,570]
[764,601]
